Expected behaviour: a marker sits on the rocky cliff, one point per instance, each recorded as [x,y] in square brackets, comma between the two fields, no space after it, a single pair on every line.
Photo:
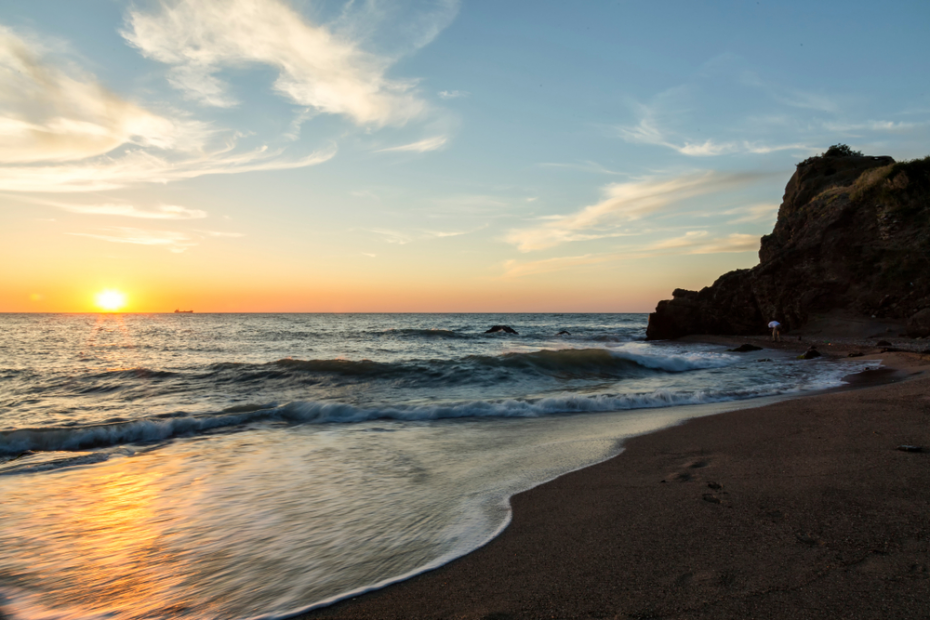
[853,233]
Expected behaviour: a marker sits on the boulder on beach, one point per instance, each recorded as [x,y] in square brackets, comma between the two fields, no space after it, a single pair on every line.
[918,325]
[810,354]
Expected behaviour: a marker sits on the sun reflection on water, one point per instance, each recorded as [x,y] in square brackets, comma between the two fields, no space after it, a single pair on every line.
[100,545]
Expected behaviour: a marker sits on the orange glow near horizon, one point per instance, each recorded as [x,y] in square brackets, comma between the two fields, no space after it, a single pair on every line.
[110,300]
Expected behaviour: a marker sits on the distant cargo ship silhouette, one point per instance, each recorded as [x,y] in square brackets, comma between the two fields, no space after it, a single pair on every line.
[176,311]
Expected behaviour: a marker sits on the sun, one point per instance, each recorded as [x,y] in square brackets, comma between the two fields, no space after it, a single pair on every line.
[110,301]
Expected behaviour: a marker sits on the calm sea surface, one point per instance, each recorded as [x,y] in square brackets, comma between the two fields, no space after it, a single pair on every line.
[252,466]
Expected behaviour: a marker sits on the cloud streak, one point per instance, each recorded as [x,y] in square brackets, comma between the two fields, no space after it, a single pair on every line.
[697,242]
[136,167]
[648,132]
[423,146]
[692,242]
[753,213]
[162,212]
[174,241]
[621,204]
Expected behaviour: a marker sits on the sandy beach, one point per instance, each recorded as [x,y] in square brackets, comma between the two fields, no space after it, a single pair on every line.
[806,508]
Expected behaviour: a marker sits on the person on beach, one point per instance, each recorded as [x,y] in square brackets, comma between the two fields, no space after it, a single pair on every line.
[775,326]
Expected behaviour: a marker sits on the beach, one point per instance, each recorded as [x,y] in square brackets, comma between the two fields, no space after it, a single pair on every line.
[194,466]
[805,508]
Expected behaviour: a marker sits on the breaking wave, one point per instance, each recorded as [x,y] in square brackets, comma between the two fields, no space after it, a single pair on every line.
[576,362]
[163,428]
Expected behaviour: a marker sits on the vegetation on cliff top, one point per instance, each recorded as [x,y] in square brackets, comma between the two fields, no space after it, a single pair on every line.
[837,150]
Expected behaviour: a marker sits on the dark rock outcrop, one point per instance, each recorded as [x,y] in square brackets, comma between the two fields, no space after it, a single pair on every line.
[853,233]
[918,325]
[810,354]
[501,328]
[745,348]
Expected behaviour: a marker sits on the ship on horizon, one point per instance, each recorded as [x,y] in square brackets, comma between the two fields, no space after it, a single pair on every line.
[176,311]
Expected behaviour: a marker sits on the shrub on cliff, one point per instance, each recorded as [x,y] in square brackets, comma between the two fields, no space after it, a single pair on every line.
[837,150]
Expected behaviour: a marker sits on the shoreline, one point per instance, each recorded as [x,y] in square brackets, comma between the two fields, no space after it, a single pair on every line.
[635,535]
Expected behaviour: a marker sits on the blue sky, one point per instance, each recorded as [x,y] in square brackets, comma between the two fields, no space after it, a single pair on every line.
[438,156]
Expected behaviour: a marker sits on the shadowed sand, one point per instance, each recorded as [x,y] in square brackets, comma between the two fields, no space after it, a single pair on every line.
[800,509]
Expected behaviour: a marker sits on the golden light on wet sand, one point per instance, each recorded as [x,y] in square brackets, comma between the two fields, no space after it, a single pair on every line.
[110,301]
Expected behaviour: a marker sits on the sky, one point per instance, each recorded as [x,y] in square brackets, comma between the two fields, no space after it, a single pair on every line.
[445,156]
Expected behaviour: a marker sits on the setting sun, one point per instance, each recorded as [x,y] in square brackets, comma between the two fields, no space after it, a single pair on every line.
[110,301]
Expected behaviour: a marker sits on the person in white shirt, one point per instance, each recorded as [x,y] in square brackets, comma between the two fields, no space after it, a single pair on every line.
[775,326]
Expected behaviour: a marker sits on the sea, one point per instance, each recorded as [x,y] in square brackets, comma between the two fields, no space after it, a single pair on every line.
[239,466]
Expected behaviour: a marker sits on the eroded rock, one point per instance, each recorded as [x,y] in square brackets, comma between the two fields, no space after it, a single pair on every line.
[852,233]
[501,328]
[918,325]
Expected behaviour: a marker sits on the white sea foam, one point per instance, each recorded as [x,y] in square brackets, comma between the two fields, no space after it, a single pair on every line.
[672,360]
[314,412]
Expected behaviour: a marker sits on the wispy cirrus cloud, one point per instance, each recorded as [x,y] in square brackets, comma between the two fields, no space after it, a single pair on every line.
[440,234]
[621,204]
[517,269]
[732,243]
[316,67]
[647,131]
[792,97]
[892,127]
[392,236]
[753,213]
[584,166]
[161,212]
[62,131]
[452,94]
[171,240]
[692,242]
[687,118]
[113,172]
[223,235]
[699,242]
[762,117]
[54,114]
[398,237]
[422,146]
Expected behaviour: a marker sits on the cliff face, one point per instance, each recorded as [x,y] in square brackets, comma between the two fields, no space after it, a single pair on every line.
[853,233]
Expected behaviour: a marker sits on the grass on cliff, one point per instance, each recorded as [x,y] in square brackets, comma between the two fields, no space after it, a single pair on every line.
[903,186]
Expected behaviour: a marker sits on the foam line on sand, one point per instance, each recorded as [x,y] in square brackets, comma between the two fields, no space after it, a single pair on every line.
[803,508]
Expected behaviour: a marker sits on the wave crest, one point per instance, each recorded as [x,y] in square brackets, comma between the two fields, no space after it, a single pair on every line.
[161,429]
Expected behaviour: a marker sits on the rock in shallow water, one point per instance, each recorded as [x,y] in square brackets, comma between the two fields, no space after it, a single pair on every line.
[745,348]
[501,328]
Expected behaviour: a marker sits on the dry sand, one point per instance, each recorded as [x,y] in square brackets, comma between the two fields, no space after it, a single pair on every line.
[800,509]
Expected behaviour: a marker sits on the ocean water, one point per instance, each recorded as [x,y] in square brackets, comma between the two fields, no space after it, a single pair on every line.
[253,466]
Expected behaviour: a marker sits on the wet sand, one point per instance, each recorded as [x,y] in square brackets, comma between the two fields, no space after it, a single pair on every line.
[801,509]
